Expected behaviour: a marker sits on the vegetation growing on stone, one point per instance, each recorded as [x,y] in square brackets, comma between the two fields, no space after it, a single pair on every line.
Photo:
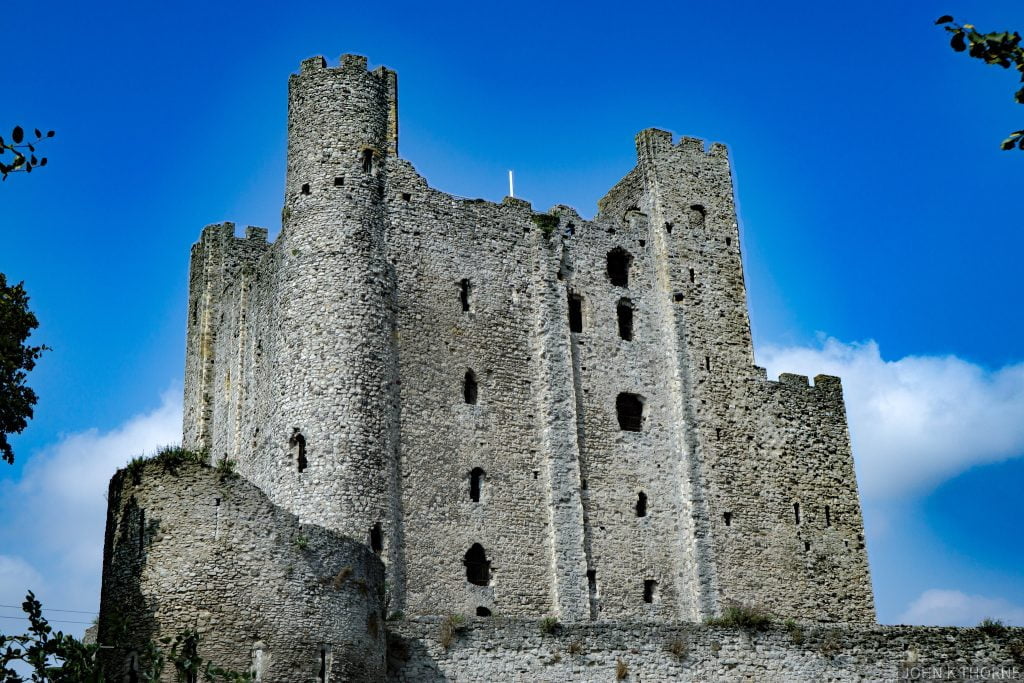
[548,625]
[546,222]
[449,629]
[678,647]
[621,670]
[747,617]
[992,627]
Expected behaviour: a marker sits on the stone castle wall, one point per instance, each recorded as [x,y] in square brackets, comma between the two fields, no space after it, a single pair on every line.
[347,345]
[509,650]
[187,547]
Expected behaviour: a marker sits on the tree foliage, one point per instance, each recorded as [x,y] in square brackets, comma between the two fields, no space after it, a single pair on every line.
[23,154]
[17,358]
[999,48]
[54,657]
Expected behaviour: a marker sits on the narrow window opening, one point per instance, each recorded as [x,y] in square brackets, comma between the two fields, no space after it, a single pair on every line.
[691,275]
[478,567]
[376,538]
[483,612]
[536,473]
[650,585]
[718,433]
[592,580]
[697,214]
[305,188]
[728,241]
[367,160]
[630,410]
[476,480]
[339,181]
[406,196]
[641,505]
[464,294]
[618,267]
[257,662]
[575,313]
[469,388]
[728,518]
[298,446]
[668,228]
[322,675]
[133,668]
[828,516]
[707,363]
[796,512]
[807,546]
[625,314]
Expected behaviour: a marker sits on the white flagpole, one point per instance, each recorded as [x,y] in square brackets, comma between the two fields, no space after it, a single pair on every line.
[511,185]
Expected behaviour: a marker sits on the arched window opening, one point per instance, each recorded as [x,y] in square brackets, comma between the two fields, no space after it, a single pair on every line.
[469,388]
[478,567]
[624,311]
[796,512]
[641,505]
[575,312]
[464,294]
[697,215]
[476,482]
[650,586]
[376,538]
[630,410]
[305,188]
[297,442]
[619,261]
[367,160]
[483,612]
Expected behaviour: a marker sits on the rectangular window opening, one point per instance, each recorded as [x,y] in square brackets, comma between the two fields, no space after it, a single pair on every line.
[339,181]
[650,585]
[575,313]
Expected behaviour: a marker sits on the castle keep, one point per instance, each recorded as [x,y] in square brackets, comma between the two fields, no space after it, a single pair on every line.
[440,405]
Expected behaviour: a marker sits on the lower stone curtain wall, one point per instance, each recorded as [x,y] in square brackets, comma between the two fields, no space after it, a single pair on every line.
[499,650]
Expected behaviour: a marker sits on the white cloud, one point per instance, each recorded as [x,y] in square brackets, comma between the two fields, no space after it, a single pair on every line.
[54,515]
[937,607]
[919,420]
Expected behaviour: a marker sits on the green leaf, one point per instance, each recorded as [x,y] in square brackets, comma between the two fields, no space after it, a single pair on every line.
[944,19]
[957,43]
[50,133]
[17,135]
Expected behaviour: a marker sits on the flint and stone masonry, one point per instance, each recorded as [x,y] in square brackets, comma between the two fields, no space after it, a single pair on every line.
[483,410]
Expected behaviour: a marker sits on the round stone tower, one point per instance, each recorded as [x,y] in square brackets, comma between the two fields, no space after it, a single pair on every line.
[332,424]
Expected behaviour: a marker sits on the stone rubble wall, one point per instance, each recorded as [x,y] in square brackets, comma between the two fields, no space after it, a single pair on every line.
[190,548]
[515,650]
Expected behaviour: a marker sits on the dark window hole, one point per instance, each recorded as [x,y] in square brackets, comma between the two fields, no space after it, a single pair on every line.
[367,160]
[796,512]
[406,196]
[478,567]
[469,387]
[483,612]
[630,411]
[575,313]
[641,505]
[650,585]
[339,181]
[464,294]
[727,516]
[305,188]
[618,267]
[297,442]
[476,480]
[376,539]
[624,312]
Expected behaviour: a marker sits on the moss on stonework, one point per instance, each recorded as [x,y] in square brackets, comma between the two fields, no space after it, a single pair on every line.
[546,222]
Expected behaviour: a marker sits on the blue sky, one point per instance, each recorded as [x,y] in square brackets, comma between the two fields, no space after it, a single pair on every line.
[880,233]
